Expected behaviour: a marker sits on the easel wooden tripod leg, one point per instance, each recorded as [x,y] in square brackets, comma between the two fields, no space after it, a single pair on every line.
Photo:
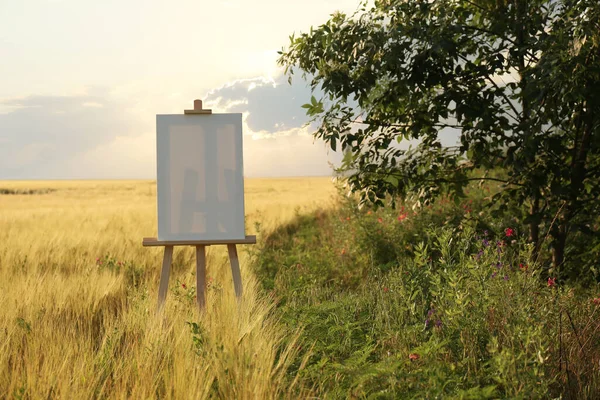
[235,269]
[164,276]
[201,276]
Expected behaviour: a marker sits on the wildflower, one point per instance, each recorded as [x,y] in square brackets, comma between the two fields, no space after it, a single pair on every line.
[369,212]
[343,252]
[402,217]
[183,285]
[380,220]
[551,282]
[479,254]
[505,277]
[499,245]
[485,242]
[347,218]
[413,356]
[430,312]
[385,289]
[438,323]
[596,301]
[523,267]
[427,323]
[509,232]
[494,274]
[498,265]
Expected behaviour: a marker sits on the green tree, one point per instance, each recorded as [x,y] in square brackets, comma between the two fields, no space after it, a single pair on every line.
[517,80]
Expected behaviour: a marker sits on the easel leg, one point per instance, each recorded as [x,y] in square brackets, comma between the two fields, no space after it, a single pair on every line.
[164,276]
[200,276]
[235,269]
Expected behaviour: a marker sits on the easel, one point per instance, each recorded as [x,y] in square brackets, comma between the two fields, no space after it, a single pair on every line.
[200,265]
[200,246]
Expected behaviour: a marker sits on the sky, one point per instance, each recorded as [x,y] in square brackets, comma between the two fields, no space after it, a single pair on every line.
[81,82]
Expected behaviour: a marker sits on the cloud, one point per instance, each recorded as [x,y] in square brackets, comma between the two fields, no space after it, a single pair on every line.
[290,153]
[271,105]
[104,134]
[41,133]
[277,140]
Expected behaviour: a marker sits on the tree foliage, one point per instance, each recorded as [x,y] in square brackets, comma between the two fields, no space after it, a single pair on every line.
[518,81]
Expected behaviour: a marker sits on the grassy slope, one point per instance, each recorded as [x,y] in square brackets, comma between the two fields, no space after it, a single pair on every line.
[437,303]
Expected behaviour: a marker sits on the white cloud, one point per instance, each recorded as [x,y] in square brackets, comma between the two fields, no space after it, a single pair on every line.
[42,133]
[277,141]
[123,157]
[293,153]
[100,134]
[271,104]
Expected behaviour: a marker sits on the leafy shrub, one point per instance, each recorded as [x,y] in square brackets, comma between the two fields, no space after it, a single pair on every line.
[446,302]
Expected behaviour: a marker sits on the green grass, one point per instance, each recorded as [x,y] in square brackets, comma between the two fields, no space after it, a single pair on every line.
[438,303]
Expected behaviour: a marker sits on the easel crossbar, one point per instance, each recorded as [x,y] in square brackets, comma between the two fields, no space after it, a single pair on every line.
[151,241]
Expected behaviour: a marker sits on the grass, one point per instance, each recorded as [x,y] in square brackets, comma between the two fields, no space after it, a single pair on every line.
[339,302]
[78,295]
[442,302]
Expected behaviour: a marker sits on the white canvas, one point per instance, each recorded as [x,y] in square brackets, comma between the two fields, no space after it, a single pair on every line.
[200,177]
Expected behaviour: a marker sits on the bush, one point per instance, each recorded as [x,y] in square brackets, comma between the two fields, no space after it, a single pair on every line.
[442,303]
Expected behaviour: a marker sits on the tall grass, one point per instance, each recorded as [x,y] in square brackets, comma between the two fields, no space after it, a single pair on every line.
[441,302]
[78,297]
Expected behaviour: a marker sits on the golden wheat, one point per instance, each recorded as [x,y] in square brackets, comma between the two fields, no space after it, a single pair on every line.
[75,327]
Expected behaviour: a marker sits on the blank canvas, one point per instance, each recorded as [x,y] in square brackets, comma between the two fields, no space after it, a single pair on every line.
[200,177]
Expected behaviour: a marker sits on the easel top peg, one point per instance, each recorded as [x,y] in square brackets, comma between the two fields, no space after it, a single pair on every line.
[198,109]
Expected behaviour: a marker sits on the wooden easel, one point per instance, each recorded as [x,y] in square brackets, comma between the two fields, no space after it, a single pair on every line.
[200,246]
[200,265]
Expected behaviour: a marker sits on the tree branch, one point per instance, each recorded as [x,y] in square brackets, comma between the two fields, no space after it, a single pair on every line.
[506,99]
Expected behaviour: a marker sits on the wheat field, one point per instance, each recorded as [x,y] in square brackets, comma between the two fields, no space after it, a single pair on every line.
[78,297]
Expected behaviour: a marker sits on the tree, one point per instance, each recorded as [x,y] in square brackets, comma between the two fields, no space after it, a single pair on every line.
[518,80]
